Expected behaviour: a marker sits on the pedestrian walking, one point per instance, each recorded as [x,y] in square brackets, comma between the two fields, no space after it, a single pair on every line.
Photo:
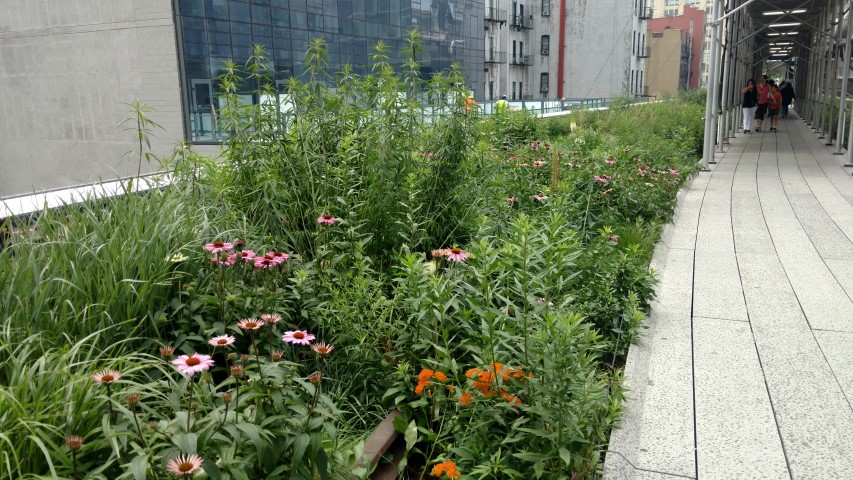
[763,90]
[774,104]
[788,95]
[502,106]
[750,100]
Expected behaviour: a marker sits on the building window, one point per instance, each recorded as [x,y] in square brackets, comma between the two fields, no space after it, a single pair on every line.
[491,89]
[546,8]
[546,44]
[513,91]
[543,82]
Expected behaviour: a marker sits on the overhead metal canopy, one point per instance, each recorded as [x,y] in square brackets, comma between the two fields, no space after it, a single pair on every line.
[808,38]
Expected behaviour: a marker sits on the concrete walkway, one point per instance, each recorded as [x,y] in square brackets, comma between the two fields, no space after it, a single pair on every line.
[746,369]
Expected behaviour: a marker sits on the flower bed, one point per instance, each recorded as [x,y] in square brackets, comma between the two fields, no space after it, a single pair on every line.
[260,317]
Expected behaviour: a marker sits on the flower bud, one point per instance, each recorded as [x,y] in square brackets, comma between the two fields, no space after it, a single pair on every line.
[226,398]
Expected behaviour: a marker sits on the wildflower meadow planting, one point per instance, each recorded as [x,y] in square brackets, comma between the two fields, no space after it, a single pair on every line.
[349,255]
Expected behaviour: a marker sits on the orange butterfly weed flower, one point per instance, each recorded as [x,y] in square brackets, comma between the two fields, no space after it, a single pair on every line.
[425,375]
[441,377]
[465,399]
[448,469]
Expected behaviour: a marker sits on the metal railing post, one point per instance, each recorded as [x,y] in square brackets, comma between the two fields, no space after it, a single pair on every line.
[845,76]
[713,90]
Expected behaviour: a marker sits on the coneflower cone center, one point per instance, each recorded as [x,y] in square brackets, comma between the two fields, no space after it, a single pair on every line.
[192,361]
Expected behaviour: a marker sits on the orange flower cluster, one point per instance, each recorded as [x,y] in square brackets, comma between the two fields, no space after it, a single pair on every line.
[426,377]
[448,469]
[465,399]
[484,379]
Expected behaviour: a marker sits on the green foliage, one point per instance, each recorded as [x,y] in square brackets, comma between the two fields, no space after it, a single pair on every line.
[560,219]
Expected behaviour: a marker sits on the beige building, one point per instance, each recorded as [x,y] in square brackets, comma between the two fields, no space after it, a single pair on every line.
[668,64]
[671,8]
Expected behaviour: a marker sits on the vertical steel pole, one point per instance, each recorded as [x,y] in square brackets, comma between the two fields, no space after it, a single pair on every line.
[833,81]
[845,75]
[824,74]
[713,89]
[721,128]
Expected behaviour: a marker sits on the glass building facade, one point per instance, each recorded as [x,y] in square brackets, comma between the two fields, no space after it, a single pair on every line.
[213,31]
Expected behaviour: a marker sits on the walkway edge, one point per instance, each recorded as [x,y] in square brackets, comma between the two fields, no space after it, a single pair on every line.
[622,461]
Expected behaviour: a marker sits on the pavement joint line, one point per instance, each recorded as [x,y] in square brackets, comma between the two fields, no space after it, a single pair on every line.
[822,259]
[639,469]
[749,318]
[706,317]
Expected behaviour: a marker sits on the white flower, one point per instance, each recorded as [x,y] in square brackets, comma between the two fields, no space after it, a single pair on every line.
[177,258]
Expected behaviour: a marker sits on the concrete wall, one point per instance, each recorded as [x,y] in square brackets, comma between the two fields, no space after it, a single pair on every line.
[665,62]
[66,66]
[598,48]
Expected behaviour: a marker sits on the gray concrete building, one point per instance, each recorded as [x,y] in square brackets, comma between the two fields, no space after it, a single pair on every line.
[565,48]
[65,69]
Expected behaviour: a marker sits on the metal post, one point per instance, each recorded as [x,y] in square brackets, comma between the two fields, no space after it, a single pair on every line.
[721,128]
[845,76]
[833,80]
[713,91]
[824,77]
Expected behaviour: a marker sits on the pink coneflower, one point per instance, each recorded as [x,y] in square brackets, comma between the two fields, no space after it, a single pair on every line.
[270,318]
[538,164]
[511,199]
[184,465]
[512,159]
[614,239]
[327,219]
[276,355]
[217,247]
[522,164]
[247,255]
[106,377]
[601,179]
[607,192]
[264,262]
[673,171]
[231,259]
[322,348]
[642,172]
[610,161]
[250,324]
[74,442]
[440,253]
[539,197]
[221,341]
[428,155]
[191,364]
[458,255]
[277,257]
[167,350]
[298,337]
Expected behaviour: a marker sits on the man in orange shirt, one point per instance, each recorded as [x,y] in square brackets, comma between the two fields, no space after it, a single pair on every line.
[775,104]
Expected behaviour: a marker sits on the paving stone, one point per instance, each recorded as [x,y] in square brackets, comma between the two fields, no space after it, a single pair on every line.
[717,292]
[736,431]
[837,347]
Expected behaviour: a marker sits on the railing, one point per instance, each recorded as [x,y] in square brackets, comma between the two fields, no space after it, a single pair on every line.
[644,91]
[646,13]
[644,52]
[495,57]
[522,60]
[541,107]
[522,21]
[495,15]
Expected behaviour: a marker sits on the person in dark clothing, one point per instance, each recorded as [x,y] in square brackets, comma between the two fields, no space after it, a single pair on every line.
[787,91]
[750,100]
